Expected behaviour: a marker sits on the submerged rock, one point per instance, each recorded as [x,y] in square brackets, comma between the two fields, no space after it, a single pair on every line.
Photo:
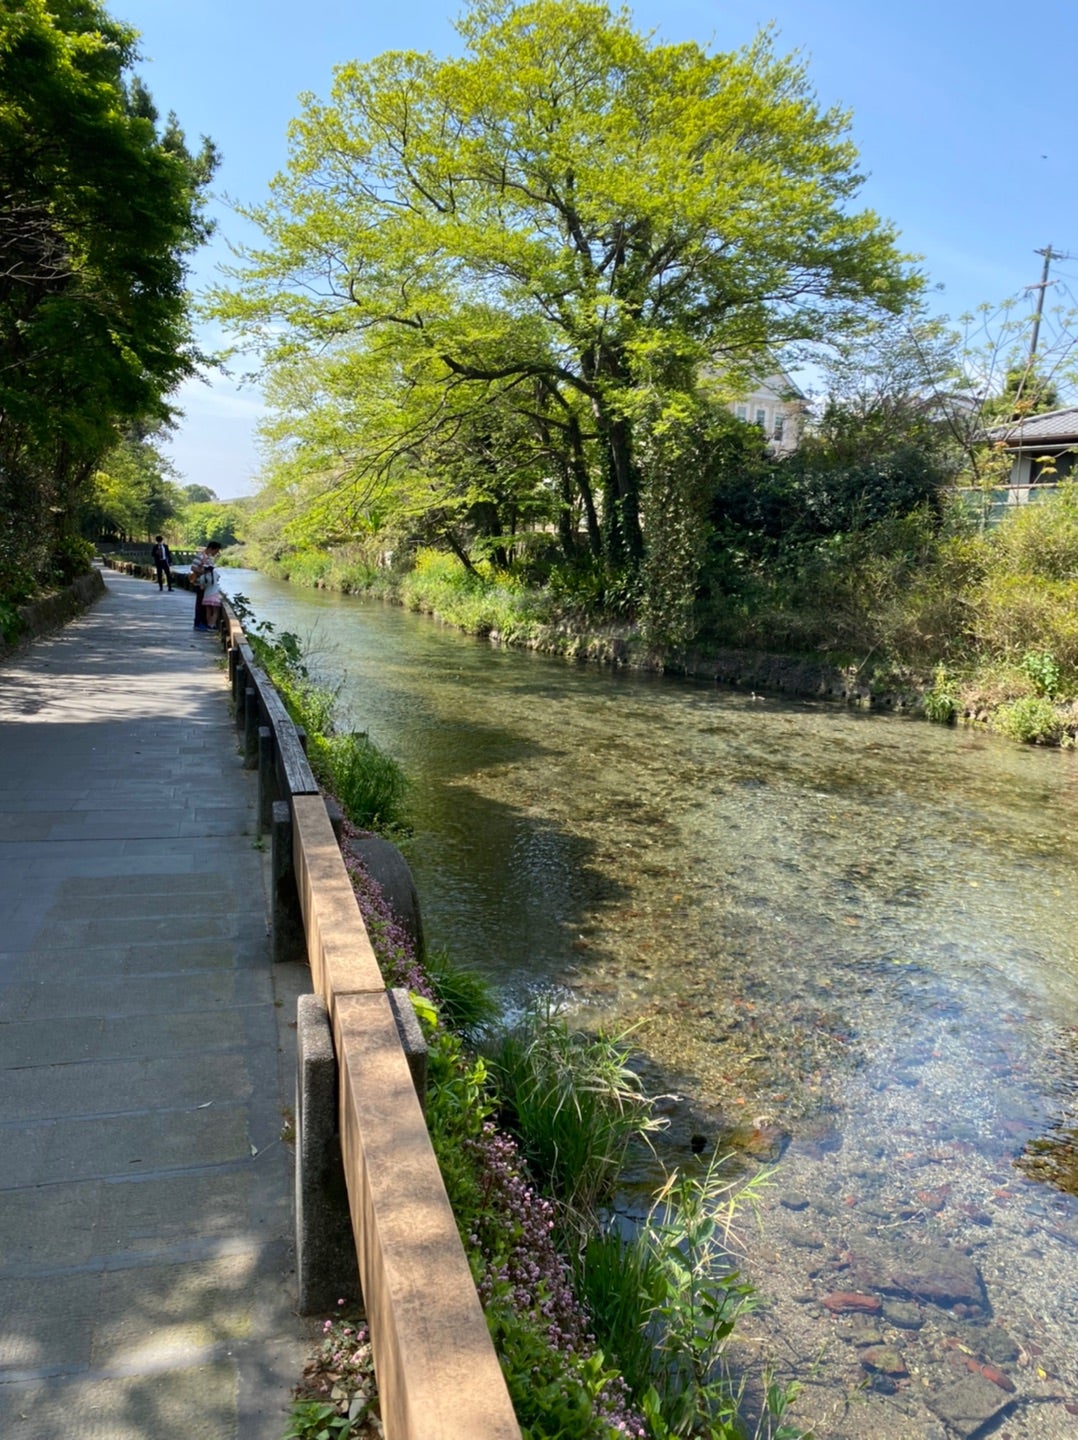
[903,1314]
[925,1272]
[851,1301]
[884,1360]
[969,1404]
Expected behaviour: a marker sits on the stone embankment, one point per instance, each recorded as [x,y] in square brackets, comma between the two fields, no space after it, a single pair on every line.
[42,617]
[794,676]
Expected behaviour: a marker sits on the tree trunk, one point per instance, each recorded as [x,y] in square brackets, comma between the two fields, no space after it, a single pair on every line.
[621,512]
[579,466]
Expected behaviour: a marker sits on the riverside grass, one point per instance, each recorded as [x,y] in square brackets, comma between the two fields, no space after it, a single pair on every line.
[895,602]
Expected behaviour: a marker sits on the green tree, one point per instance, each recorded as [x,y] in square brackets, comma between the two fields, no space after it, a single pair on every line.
[199,494]
[98,213]
[213,520]
[132,494]
[570,211]
[889,386]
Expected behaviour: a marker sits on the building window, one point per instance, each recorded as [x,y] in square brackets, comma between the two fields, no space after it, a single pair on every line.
[742,412]
[780,426]
[761,419]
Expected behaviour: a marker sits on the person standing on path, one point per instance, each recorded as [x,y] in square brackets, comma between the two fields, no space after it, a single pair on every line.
[203,564]
[210,584]
[162,562]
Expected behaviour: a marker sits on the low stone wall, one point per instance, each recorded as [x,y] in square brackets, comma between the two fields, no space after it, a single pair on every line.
[51,612]
[793,676]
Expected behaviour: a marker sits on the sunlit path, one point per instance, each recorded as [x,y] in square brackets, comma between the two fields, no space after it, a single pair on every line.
[146,1285]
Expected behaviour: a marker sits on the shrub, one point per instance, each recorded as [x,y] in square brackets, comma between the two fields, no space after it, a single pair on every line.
[11,623]
[306,567]
[370,785]
[1019,613]
[1032,719]
[1039,540]
[1042,672]
[71,556]
[941,702]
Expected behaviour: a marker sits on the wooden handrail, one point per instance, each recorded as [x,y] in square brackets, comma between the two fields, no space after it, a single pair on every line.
[438,1375]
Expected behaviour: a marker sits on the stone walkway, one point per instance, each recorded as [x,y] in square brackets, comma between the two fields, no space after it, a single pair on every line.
[147,1048]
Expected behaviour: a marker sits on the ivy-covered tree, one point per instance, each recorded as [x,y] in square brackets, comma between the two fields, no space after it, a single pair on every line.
[99,211]
[571,218]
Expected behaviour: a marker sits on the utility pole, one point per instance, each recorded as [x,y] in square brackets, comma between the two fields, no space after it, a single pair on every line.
[1049,255]
[1040,289]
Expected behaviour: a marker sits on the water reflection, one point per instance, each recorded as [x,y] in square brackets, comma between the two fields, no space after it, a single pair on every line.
[846,939]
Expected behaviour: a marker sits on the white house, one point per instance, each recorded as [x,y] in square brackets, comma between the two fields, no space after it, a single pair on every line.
[780,410]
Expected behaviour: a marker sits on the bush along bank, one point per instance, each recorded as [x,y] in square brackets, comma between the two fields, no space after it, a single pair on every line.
[599,1336]
[921,612]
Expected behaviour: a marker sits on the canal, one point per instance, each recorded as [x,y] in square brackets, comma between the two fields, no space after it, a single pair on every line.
[848,946]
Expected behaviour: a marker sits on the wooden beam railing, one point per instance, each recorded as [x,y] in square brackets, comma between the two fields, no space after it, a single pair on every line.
[438,1375]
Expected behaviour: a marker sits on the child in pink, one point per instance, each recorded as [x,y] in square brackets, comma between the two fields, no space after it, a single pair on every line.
[211,595]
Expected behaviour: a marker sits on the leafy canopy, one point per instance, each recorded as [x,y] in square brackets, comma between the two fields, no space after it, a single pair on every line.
[569,221]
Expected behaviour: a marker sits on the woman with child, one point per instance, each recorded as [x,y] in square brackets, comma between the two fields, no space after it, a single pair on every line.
[207,587]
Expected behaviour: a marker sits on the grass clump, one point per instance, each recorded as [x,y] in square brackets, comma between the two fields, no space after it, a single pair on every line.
[370,785]
[1030,719]
[574,1104]
[465,999]
[941,701]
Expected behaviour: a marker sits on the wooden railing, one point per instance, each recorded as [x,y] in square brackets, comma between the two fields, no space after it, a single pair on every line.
[438,1376]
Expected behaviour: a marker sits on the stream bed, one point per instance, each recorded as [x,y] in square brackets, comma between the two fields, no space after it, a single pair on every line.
[847,944]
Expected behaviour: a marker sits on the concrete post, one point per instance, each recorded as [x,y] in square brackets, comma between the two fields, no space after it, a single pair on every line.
[289,940]
[239,684]
[250,728]
[327,1269]
[267,778]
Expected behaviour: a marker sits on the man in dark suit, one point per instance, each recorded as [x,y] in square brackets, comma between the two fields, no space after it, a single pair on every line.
[162,562]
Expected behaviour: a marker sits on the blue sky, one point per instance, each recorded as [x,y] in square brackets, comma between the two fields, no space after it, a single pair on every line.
[963,113]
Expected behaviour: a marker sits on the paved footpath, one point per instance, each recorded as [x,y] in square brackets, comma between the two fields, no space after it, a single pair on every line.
[146,1055]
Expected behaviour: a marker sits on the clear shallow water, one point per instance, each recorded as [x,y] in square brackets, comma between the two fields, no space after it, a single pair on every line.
[849,940]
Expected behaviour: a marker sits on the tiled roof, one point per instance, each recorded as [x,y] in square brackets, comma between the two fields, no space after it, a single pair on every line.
[1056,427]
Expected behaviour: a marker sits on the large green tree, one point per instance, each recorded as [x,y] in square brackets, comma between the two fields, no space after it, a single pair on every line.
[99,210]
[133,494]
[572,217]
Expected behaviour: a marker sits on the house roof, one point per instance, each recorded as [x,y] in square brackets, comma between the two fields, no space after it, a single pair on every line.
[1055,427]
